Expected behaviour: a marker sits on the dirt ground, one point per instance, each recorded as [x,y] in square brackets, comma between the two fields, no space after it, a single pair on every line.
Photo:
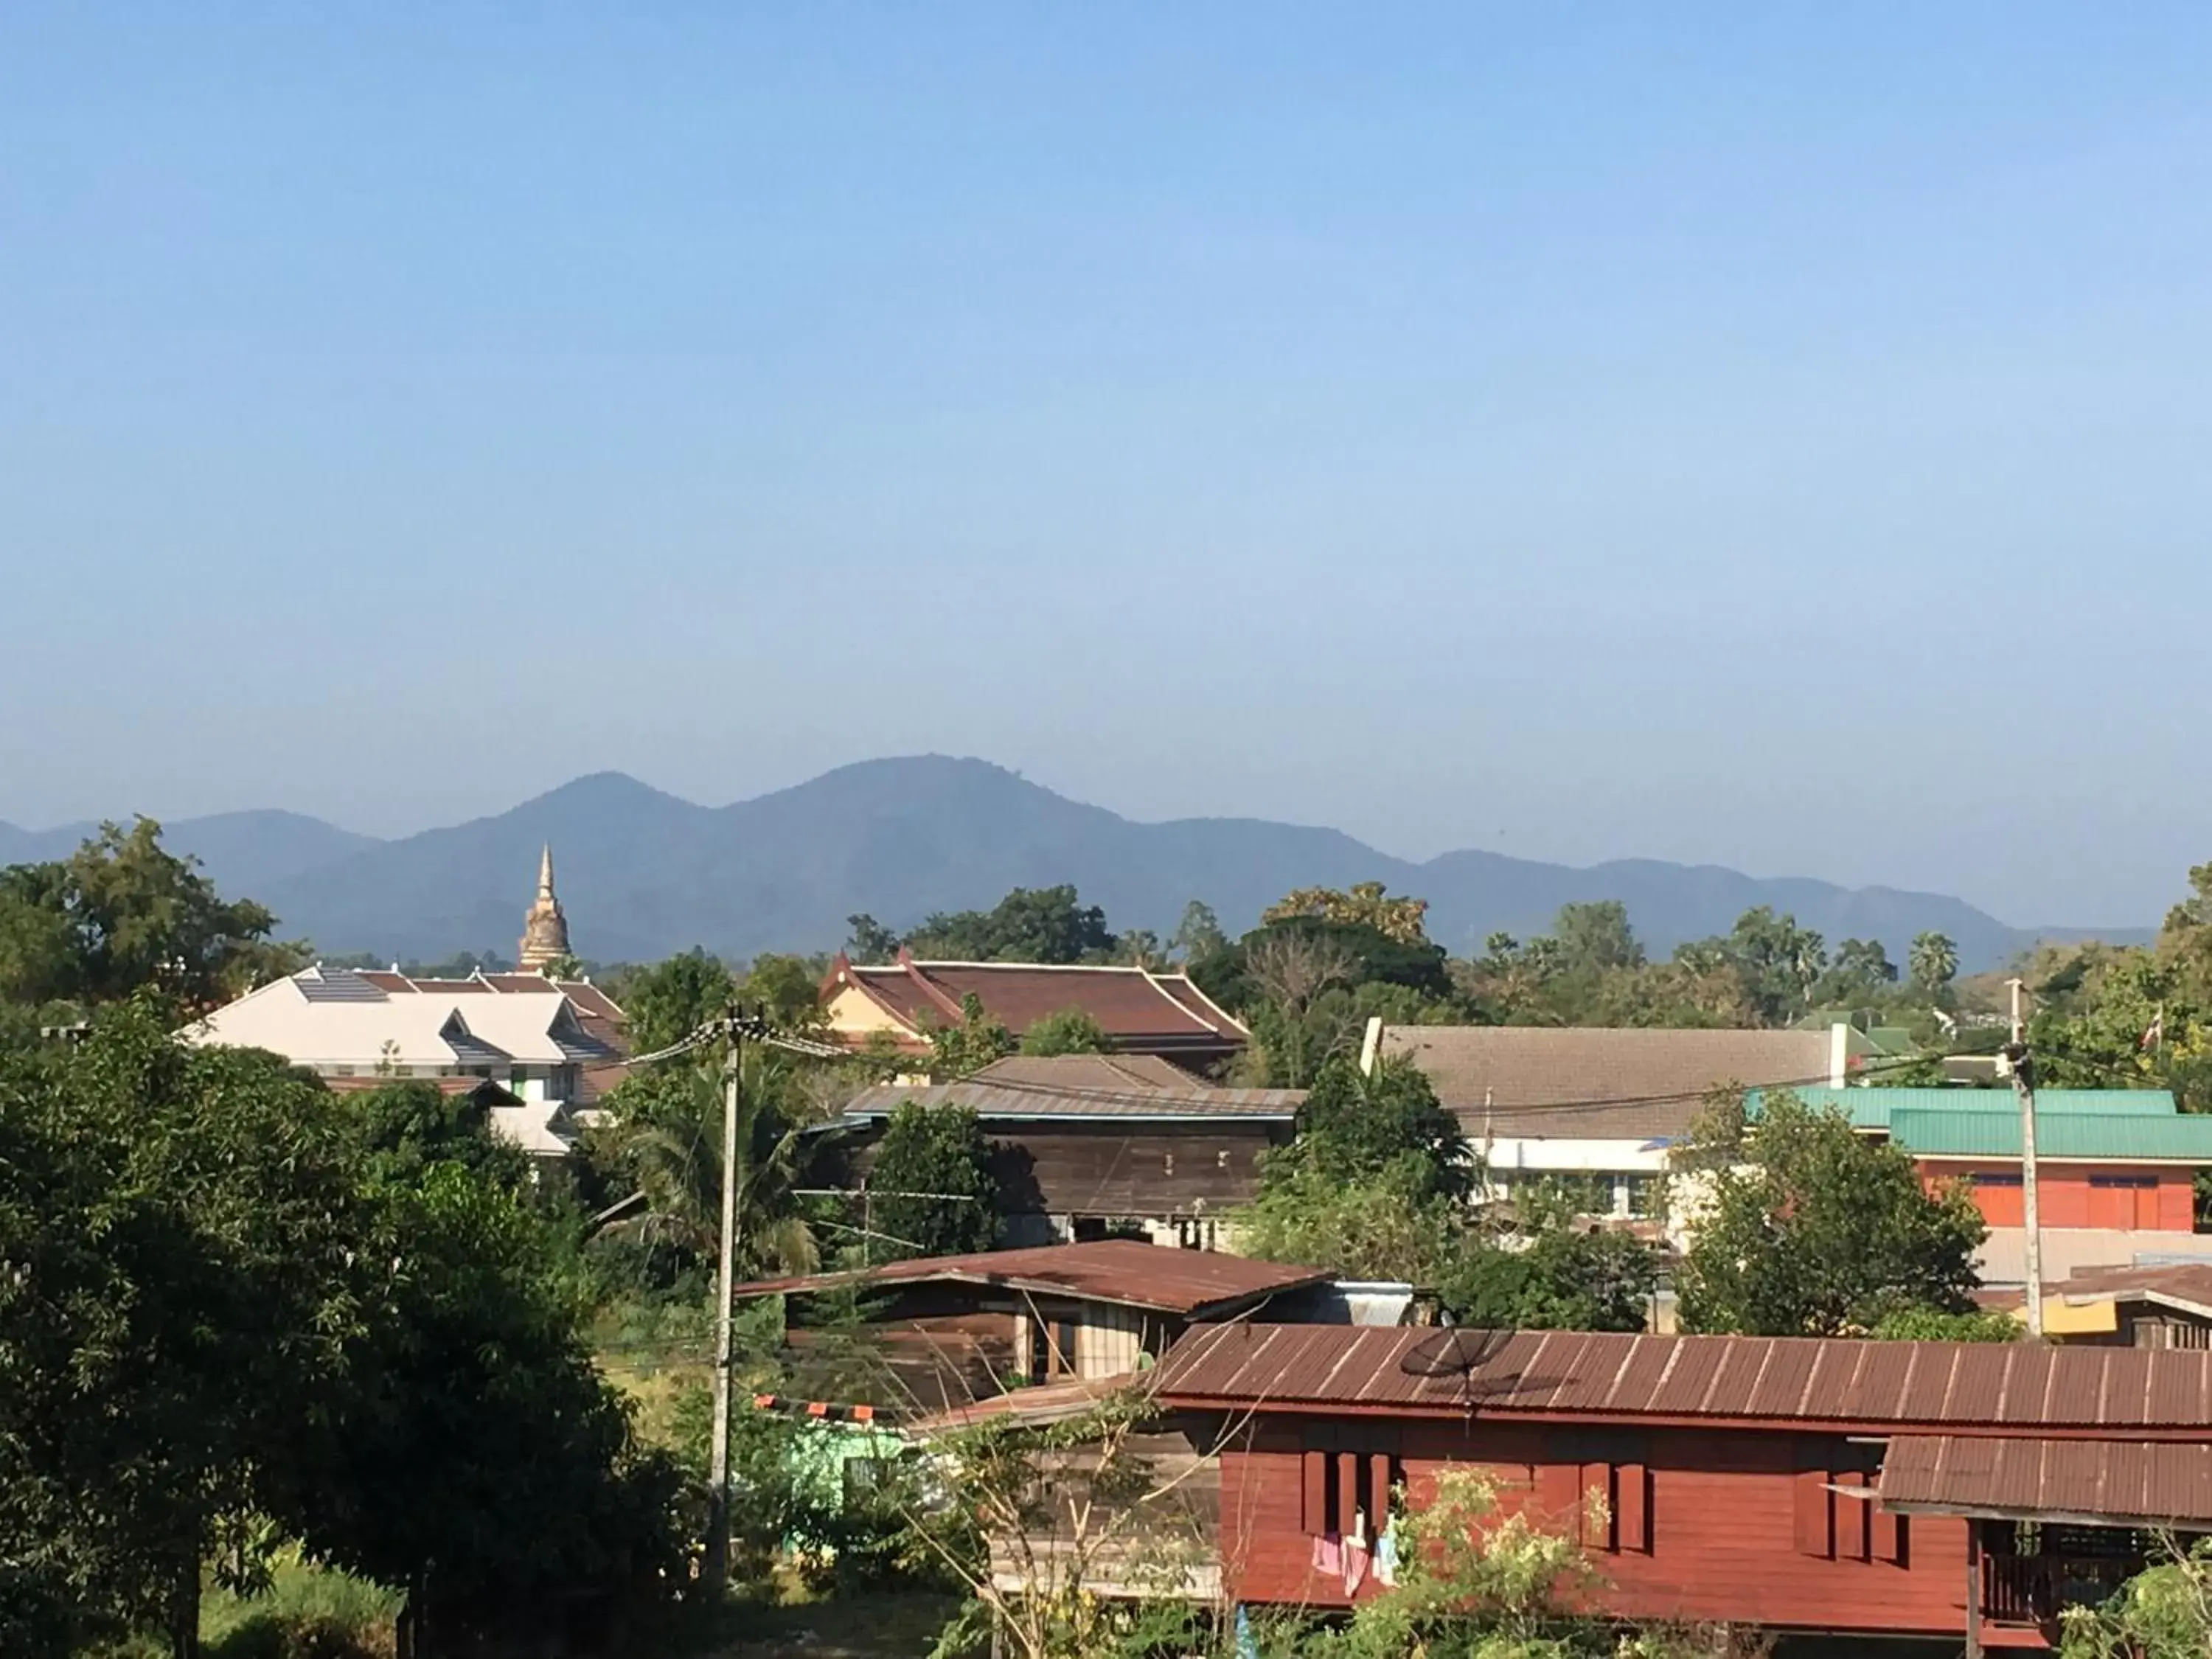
[848,1627]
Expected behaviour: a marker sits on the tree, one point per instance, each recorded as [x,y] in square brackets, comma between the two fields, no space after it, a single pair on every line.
[1860,973]
[955,1051]
[1596,938]
[1551,1272]
[1364,906]
[175,1224]
[121,914]
[2164,1612]
[1776,962]
[669,1001]
[1389,1223]
[1043,924]
[1933,964]
[869,940]
[1289,970]
[1141,947]
[667,1137]
[1355,1123]
[405,1127]
[938,1150]
[788,990]
[1821,1231]
[1198,933]
[1070,1031]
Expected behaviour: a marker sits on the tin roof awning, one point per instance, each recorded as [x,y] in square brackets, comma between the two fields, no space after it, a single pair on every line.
[2110,1483]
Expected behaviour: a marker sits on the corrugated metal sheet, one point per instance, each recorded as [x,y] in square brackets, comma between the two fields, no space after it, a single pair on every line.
[1117,1270]
[1778,1379]
[1873,1108]
[1024,1100]
[2126,1482]
[2114,1138]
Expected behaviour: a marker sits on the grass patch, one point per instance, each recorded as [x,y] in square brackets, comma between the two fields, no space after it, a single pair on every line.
[852,1625]
[307,1613]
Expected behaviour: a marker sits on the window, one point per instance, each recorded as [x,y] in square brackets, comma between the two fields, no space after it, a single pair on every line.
[1995,1178]
[1642,1194]
[1052,1348]
[341,1070]
[2132,1182]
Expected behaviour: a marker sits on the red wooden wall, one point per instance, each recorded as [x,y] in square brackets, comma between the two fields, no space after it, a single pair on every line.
[1707,1525]
[2150,1196]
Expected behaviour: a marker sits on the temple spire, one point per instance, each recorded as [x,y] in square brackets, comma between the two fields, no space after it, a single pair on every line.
[544,929]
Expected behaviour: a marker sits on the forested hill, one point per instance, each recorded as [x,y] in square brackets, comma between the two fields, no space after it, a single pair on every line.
[643,874]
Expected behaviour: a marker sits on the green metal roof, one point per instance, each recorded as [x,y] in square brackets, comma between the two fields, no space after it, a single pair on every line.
[2107,1137]
[1874,1108]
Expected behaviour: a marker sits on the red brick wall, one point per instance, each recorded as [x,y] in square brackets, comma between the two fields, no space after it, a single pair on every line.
[2156,1196]
[1726,1527]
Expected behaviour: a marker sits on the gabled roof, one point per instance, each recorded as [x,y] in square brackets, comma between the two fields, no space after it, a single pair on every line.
[1123,1272]
[330,1017]
[1966,1387]
[1083,1085]
[1137,1007]
[1598,1083]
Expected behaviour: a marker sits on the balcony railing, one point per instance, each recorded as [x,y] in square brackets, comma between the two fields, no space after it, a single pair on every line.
[2031,1589]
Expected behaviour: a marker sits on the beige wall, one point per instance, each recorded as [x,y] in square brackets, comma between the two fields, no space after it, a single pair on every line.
[854,1013]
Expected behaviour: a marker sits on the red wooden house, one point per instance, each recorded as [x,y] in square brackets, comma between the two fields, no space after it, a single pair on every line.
[1934,1490]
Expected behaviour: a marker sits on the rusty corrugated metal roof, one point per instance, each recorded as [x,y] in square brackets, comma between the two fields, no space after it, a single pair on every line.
[2125,1482]
[1772,1379]
[1124,1271]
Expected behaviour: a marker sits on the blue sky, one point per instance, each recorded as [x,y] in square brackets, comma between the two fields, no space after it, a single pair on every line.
[1770,435]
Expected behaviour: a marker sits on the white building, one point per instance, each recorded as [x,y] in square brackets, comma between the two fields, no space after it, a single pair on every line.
[1600,1105]
[551,1048]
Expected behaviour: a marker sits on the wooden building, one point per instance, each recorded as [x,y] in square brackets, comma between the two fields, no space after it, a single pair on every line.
[1934,1490]
[956,1329]
[1089,1146]
[2167,1306]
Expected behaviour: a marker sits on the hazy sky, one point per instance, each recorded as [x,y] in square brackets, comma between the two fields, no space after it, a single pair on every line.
[1774,435]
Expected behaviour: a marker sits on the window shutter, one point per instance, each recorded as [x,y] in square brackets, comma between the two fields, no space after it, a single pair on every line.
[1631,1520]
[1347,1493]
[1851,1518]
[1313,1512]
[1815,1514]
[1555,1494]
[1598,1530]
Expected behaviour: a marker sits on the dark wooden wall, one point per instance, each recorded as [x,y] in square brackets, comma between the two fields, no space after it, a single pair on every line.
[1707,1526]
[1108,1166]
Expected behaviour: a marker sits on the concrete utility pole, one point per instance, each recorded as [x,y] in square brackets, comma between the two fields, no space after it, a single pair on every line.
[713,1571]
[2023,1087]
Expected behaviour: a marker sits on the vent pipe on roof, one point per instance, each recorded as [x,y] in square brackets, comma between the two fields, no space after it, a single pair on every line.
[1371,1045]
[1840,1053]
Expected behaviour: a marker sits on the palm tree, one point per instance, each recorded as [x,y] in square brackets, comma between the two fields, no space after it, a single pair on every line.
[1933,963]
[671,1136]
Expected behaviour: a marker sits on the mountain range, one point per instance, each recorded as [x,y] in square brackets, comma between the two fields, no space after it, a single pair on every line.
[643,874]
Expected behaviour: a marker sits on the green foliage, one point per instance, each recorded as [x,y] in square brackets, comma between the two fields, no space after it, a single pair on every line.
[955,1051]
[2164,1612]
[869,940]
[668,1002]
[407,1126]
[1776,963]
[230,1302]
[1070,1031]
[1933,963]
[1595,939]
[1043,924]
[304,1612]
[664,1141]
[121,915]
[1591,970]
[1389,1223]
[786,989]
[1364,907]
[1822,1231]
[1860,975]
[1557,1277]
[933,1149]
[1197,934]
[1353,1122]
[1928,1325]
